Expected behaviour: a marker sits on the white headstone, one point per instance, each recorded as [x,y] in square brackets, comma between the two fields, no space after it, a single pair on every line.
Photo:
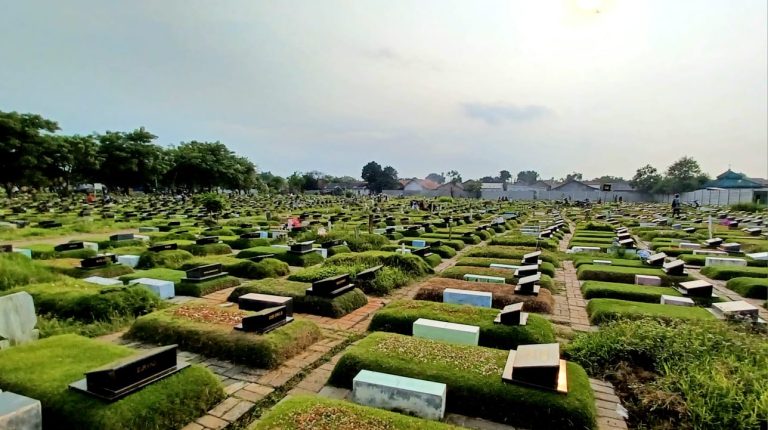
[17,318]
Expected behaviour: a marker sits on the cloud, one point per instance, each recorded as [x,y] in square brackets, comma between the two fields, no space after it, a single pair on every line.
[495,114]
[394,57]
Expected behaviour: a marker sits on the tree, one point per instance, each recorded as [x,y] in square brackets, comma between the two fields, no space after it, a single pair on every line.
[473,188]
[455,177]
[685,175]
[573,176]
[131,159]
[646,179]
[609,179]
[504,175]
[77,159]
[274,183]
[26,149]
[379,179]
[487,179]
[528,177]
[296,183]
[435,177]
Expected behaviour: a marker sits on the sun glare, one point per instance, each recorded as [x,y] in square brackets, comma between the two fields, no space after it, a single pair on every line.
[589,5]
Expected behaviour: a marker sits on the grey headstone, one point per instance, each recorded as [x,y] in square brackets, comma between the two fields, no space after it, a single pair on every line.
[17,318]
[20,413]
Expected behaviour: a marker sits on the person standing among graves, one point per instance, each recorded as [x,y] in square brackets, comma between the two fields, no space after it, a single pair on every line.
[676,206]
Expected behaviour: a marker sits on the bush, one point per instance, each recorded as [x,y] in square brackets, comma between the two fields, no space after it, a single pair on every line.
[545,268]
[220,340]
[302,412]
[170,259]
[680,374]
[754,288]
[748,207]
[17,270]
[43,369]
[727,272]
[341,249]
[458,272]
[635,293]
[469,240]
[701,260]
[88,302]
[503,294]
[246,243]
[473,377]
[511,253]
[433,260]
[604,310]
[525,241]
[210,249]
[334,308]
[412,265]
[624,275]
[200,289]
[399,316]
[214,203]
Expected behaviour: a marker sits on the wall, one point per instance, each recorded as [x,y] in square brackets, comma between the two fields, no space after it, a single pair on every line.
[719,197]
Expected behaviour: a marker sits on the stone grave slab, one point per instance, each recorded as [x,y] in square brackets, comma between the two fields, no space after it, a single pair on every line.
[164,289]
[425,399]
[98,280]
[18,318]
[19,412]
[647,280]
[446,332]
[722,261]
[676,301]
[467,297]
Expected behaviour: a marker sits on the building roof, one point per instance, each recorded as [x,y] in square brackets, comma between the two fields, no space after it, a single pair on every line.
[424,183]
[491,186]
[731,179]
[615,186]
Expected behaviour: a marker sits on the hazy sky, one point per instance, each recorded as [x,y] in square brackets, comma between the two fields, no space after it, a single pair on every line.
[424,86]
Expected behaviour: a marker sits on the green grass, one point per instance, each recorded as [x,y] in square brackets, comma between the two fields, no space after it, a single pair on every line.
[319,413]
[582,260]
[157,273]
[603,310]
[635,293]
[511,253]
[458,272]
[727,272]
[266,268]
[530,241]
[71,267]
[545,267]
[680,374]
[220,340]
[701,260]
[200,289]
[299,260]
[69,298]
[170,259]
[387,278]
[473,377]
[43,369]
[17,270]
[46,252]
[335,308]
[412,265]
[399,316]
[53,326]
[624,275]
[455,244]
[754,288]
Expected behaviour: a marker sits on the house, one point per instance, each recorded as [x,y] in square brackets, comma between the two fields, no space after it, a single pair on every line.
[418,186]
[731,179]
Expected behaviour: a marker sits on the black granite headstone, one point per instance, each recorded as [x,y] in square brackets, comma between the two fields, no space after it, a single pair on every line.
[265,320]
[164,247]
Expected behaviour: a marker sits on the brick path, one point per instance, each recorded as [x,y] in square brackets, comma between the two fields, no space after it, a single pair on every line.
[722,291]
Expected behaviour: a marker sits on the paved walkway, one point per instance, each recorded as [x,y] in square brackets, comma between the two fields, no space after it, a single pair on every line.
[722,291]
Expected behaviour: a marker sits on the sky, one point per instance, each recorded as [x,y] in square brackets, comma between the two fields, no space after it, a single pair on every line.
[600,87]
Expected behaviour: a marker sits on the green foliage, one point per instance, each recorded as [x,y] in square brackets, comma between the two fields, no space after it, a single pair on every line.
[545,267]
[411,265]
[510,253]
[387,278]
[246,243]
[635,293]
[624,275]
[156,273]
[52,326]
[297,412]
[472,376]
[43,369]
[214,203]
[46,252]
[728,272]
[209,249]
[399,316]
[200,289]
[222,341]
[748,207]
[755,288]
[603,310]
[379,179]
[17,270]
[334,308]
[86,302]
[458,272]
[525,241]
[171,259]
[692,374]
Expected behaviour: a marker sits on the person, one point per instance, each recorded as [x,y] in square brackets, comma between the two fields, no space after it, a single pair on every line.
[676,206]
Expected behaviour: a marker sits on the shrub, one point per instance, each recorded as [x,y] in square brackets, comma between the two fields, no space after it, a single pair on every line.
[503,294]
[728,272]
[525,241]
[635,293]
[71,267]
[17,270]
[210,249]
[624,275]
[246,243]
[43,369]
[87,302]
[334,308]
[109,244]
[458,272]
[412,265]
[200,289]
[754,288]
[680,374]
[701,260]
[171,259]
[748,207]
[603,310]
[433,260]
[181,325]
[212,202]
[473,377]
[512,253]
[399,316]
[581,260]
[545,268]
[341,249]
[469,240]
[299,412]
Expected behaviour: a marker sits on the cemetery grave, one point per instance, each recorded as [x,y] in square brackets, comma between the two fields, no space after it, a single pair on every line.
[270,295]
